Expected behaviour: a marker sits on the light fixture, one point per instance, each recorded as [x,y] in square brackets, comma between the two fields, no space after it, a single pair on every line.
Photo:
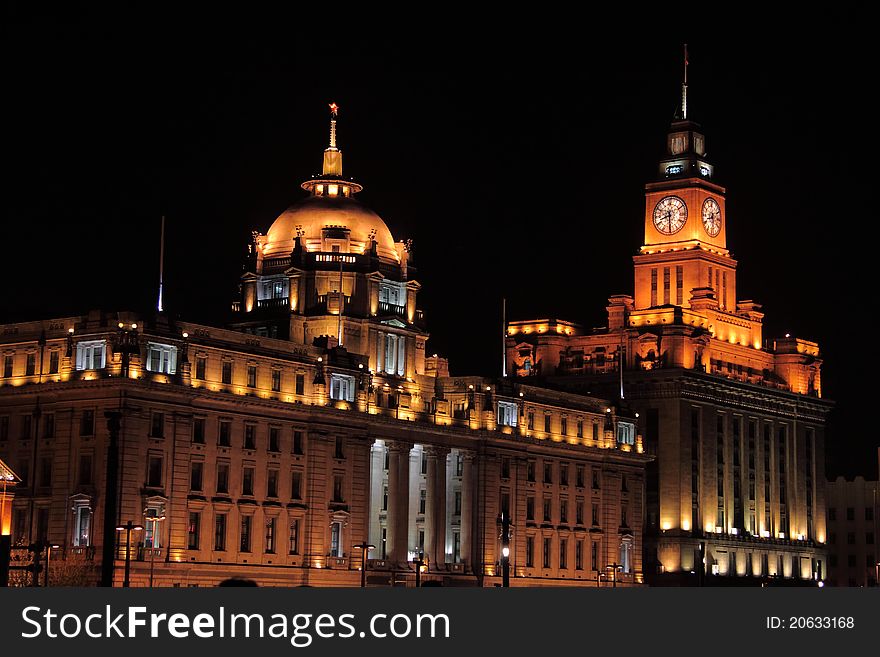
[185,334]
[134,327]
[505,551]
[120,325]
[70,330]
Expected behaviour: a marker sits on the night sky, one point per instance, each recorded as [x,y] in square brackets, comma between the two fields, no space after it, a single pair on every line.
[515,161]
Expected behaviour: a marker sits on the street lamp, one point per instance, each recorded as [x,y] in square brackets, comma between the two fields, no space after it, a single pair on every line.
[505,550]
[49,548]
[419,563]
[128,528]
[614,567]
[156,520]
[365,549]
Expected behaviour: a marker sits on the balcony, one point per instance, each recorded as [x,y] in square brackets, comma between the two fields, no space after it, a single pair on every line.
[276,302]
[387,308]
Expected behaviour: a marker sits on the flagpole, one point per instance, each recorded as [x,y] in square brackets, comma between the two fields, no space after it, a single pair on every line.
[161,261]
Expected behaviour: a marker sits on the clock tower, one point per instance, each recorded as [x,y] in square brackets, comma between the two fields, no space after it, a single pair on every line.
[685,254]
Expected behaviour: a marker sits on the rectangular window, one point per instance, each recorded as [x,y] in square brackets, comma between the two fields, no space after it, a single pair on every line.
[7,366]
[563,511]
[270,536]
[293,537]
[563,426]
[594,555]
[45,473]
[201,367]
[548,472]
[82,526]
[157,425]
[192,530]
[579,555]
[224,433]
[220,532]
[246,522]
[547,547]
[54,357]
[626,433]
[679,285]
[666,285]
[579,513]
[505,468]
[154,472]
[342,387]
[580,428]
[296,485]
[595,515]
[251,376]
[298,443]
[653,287]
[423,499]
[300,384]
[272,483]
[49,425]
[336,539]
[339,448]
[4,427]
[530,551]
[579,476]
[276,380]
[563,553]
[530,507]
[86,423]
[161,358]
[247,480]
[91,355]
[547,511]
[250,436]
[456,507]
[530,471]
[30,364]
[198,432]
[531,421]
[223,478]
[85,470]
[338,482]
[226,372]
[196,469]
[274,439]
[547,423]
[507,414]
[563,474]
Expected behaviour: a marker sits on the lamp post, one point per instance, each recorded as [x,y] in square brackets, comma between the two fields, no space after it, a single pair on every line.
[128,528]
[419,563]
[49,548]
[156,522]
[505,550]
[614,567]
[365,549]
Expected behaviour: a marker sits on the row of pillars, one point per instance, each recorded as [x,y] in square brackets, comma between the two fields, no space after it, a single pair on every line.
[435,504]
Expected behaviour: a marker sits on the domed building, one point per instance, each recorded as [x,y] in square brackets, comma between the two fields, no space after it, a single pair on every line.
[328,272]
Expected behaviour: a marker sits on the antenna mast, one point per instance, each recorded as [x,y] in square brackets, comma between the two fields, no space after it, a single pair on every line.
[161,261]
[684,86]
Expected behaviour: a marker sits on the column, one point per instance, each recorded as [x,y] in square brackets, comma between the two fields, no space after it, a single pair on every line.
[435,520]
[398,501]
[467,506]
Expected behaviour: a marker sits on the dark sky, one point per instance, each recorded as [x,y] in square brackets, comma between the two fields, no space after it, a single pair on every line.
[515,160]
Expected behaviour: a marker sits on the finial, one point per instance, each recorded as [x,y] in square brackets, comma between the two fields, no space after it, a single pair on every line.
[334,111]
[684,86]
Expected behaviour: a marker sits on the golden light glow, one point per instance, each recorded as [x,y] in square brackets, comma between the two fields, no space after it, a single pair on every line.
[686,524]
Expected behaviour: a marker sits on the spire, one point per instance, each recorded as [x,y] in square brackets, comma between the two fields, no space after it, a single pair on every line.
[332,155]
[684,86]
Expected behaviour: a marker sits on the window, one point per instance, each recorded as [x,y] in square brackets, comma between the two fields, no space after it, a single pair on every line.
[548,472]
[300,384]
[579,512]
[530,471]
[507,414]
[196,469]
[246,523]
[270,536]
[296,485]
[201,367]
[157,425]
[274,439]
[342,387]
[82,523]
[224,433]
[595,514]
[579,476]
[276,380]
[336,539]
[226,372]
[49,425]
[293,538]
[626,433]
[654,287]
[531,421]
[192,530]
[456,547]
[626,555]
[579,555]
[198,433]
[563,511]
[250,436]
[223,478]
[30,364]
[385,498]
[547,502]
[4,427]
[530,551]
[251,376]
[563,426]
[85,470]
[547,548]
[850,513]
[247,480]
[869,513]
[272,483]
[563,553]
[338,482]
[91,355]
[563,474]
[154,472]
[7,366]
[595,479]
[594,555]
[580,428]
[339,451]
[86,423]
[152,517]
[422,501]
[546,423]
[298,444]
[45,473]
[395,355]
[505,468]
[679,285]
[27,426]
[530,508]
[220,532]
[54,357]
[161,358]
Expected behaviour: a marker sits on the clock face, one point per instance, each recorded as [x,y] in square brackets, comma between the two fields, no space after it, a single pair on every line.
[711,217]
[670,215]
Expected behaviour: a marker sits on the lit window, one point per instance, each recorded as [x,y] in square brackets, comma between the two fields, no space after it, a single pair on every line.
[91,355]
[507,414]
[626,433]
[336,539]
[161,358]
[82,522]
[342,387]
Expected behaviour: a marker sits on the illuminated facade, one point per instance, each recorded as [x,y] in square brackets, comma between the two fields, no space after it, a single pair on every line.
[736,421]
[853,525]
[272,449]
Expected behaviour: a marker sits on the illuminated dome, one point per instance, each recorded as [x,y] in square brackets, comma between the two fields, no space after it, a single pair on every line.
[313,214]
